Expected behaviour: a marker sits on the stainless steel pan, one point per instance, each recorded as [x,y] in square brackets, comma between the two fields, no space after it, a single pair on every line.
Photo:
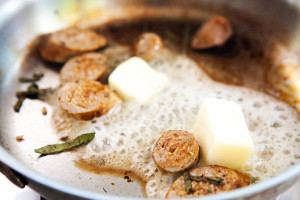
[21,21]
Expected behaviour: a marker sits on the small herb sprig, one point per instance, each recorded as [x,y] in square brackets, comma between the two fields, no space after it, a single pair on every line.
[32,92]
[80,141]
[35,77]
[188,181]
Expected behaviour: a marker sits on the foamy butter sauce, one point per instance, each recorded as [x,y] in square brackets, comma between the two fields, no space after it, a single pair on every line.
[125,138]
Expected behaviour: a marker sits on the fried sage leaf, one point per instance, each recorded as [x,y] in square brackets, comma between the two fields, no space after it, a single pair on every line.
[80,141]
[19,103]
[185,39]
[187,182]
[253,179]
[35,77]
[32,92]
[211,180]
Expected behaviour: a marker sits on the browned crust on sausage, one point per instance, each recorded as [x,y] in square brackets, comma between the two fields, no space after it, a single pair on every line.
[231,179]
[215,32]
[60,46]
[89,66]
[176,150]
[87,99]
[148,46]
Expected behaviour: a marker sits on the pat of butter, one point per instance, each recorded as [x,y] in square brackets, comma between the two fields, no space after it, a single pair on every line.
[135,80]
[222,133]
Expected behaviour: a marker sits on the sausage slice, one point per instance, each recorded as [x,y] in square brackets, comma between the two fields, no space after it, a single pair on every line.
[60,46]
[176,150]
[90,66]
[230,180]
[148,46]
[214,32]
[87,99]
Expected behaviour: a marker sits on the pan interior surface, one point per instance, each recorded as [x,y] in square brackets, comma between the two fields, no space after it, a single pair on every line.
[80,169]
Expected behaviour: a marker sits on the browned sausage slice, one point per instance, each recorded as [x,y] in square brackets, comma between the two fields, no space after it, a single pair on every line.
[230,180]
[90,66]
[176,150]
[87,99]
[148,46]
[60,46]
[214,32]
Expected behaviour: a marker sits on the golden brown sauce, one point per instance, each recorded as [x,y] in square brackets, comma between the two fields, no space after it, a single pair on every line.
[94,167]
[242,61]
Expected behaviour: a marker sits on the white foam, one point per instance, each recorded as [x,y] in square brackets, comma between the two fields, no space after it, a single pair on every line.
[128,136]
[177,107]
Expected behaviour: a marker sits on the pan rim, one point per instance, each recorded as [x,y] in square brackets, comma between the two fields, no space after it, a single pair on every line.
[18,166]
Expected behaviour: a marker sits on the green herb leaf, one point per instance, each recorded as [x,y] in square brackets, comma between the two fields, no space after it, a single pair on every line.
[252,178]
[187,182]
[211,180]
[80,141]
[171,35]
[32,92]
[145,26]
[35,77]
[186,39]
[19,103]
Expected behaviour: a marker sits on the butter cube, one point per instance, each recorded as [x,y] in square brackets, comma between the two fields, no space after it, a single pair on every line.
[135,80]
[222,133]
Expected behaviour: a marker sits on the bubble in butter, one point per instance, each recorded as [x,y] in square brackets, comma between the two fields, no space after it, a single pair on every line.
[222,133]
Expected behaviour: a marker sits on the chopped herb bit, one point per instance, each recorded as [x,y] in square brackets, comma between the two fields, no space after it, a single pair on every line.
[145,26]
[211,180]
[35,77]
[104,190]
[80,141]
[32,92]
[187,182]
[170,35]
[252,178]
[19,103]
[186,38]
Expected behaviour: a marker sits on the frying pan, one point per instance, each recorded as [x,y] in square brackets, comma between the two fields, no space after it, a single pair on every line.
[21,21]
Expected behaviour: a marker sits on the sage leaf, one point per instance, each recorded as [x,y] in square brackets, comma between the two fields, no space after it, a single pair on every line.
[211,180]
[35,77]
[187,182]
[80,141]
